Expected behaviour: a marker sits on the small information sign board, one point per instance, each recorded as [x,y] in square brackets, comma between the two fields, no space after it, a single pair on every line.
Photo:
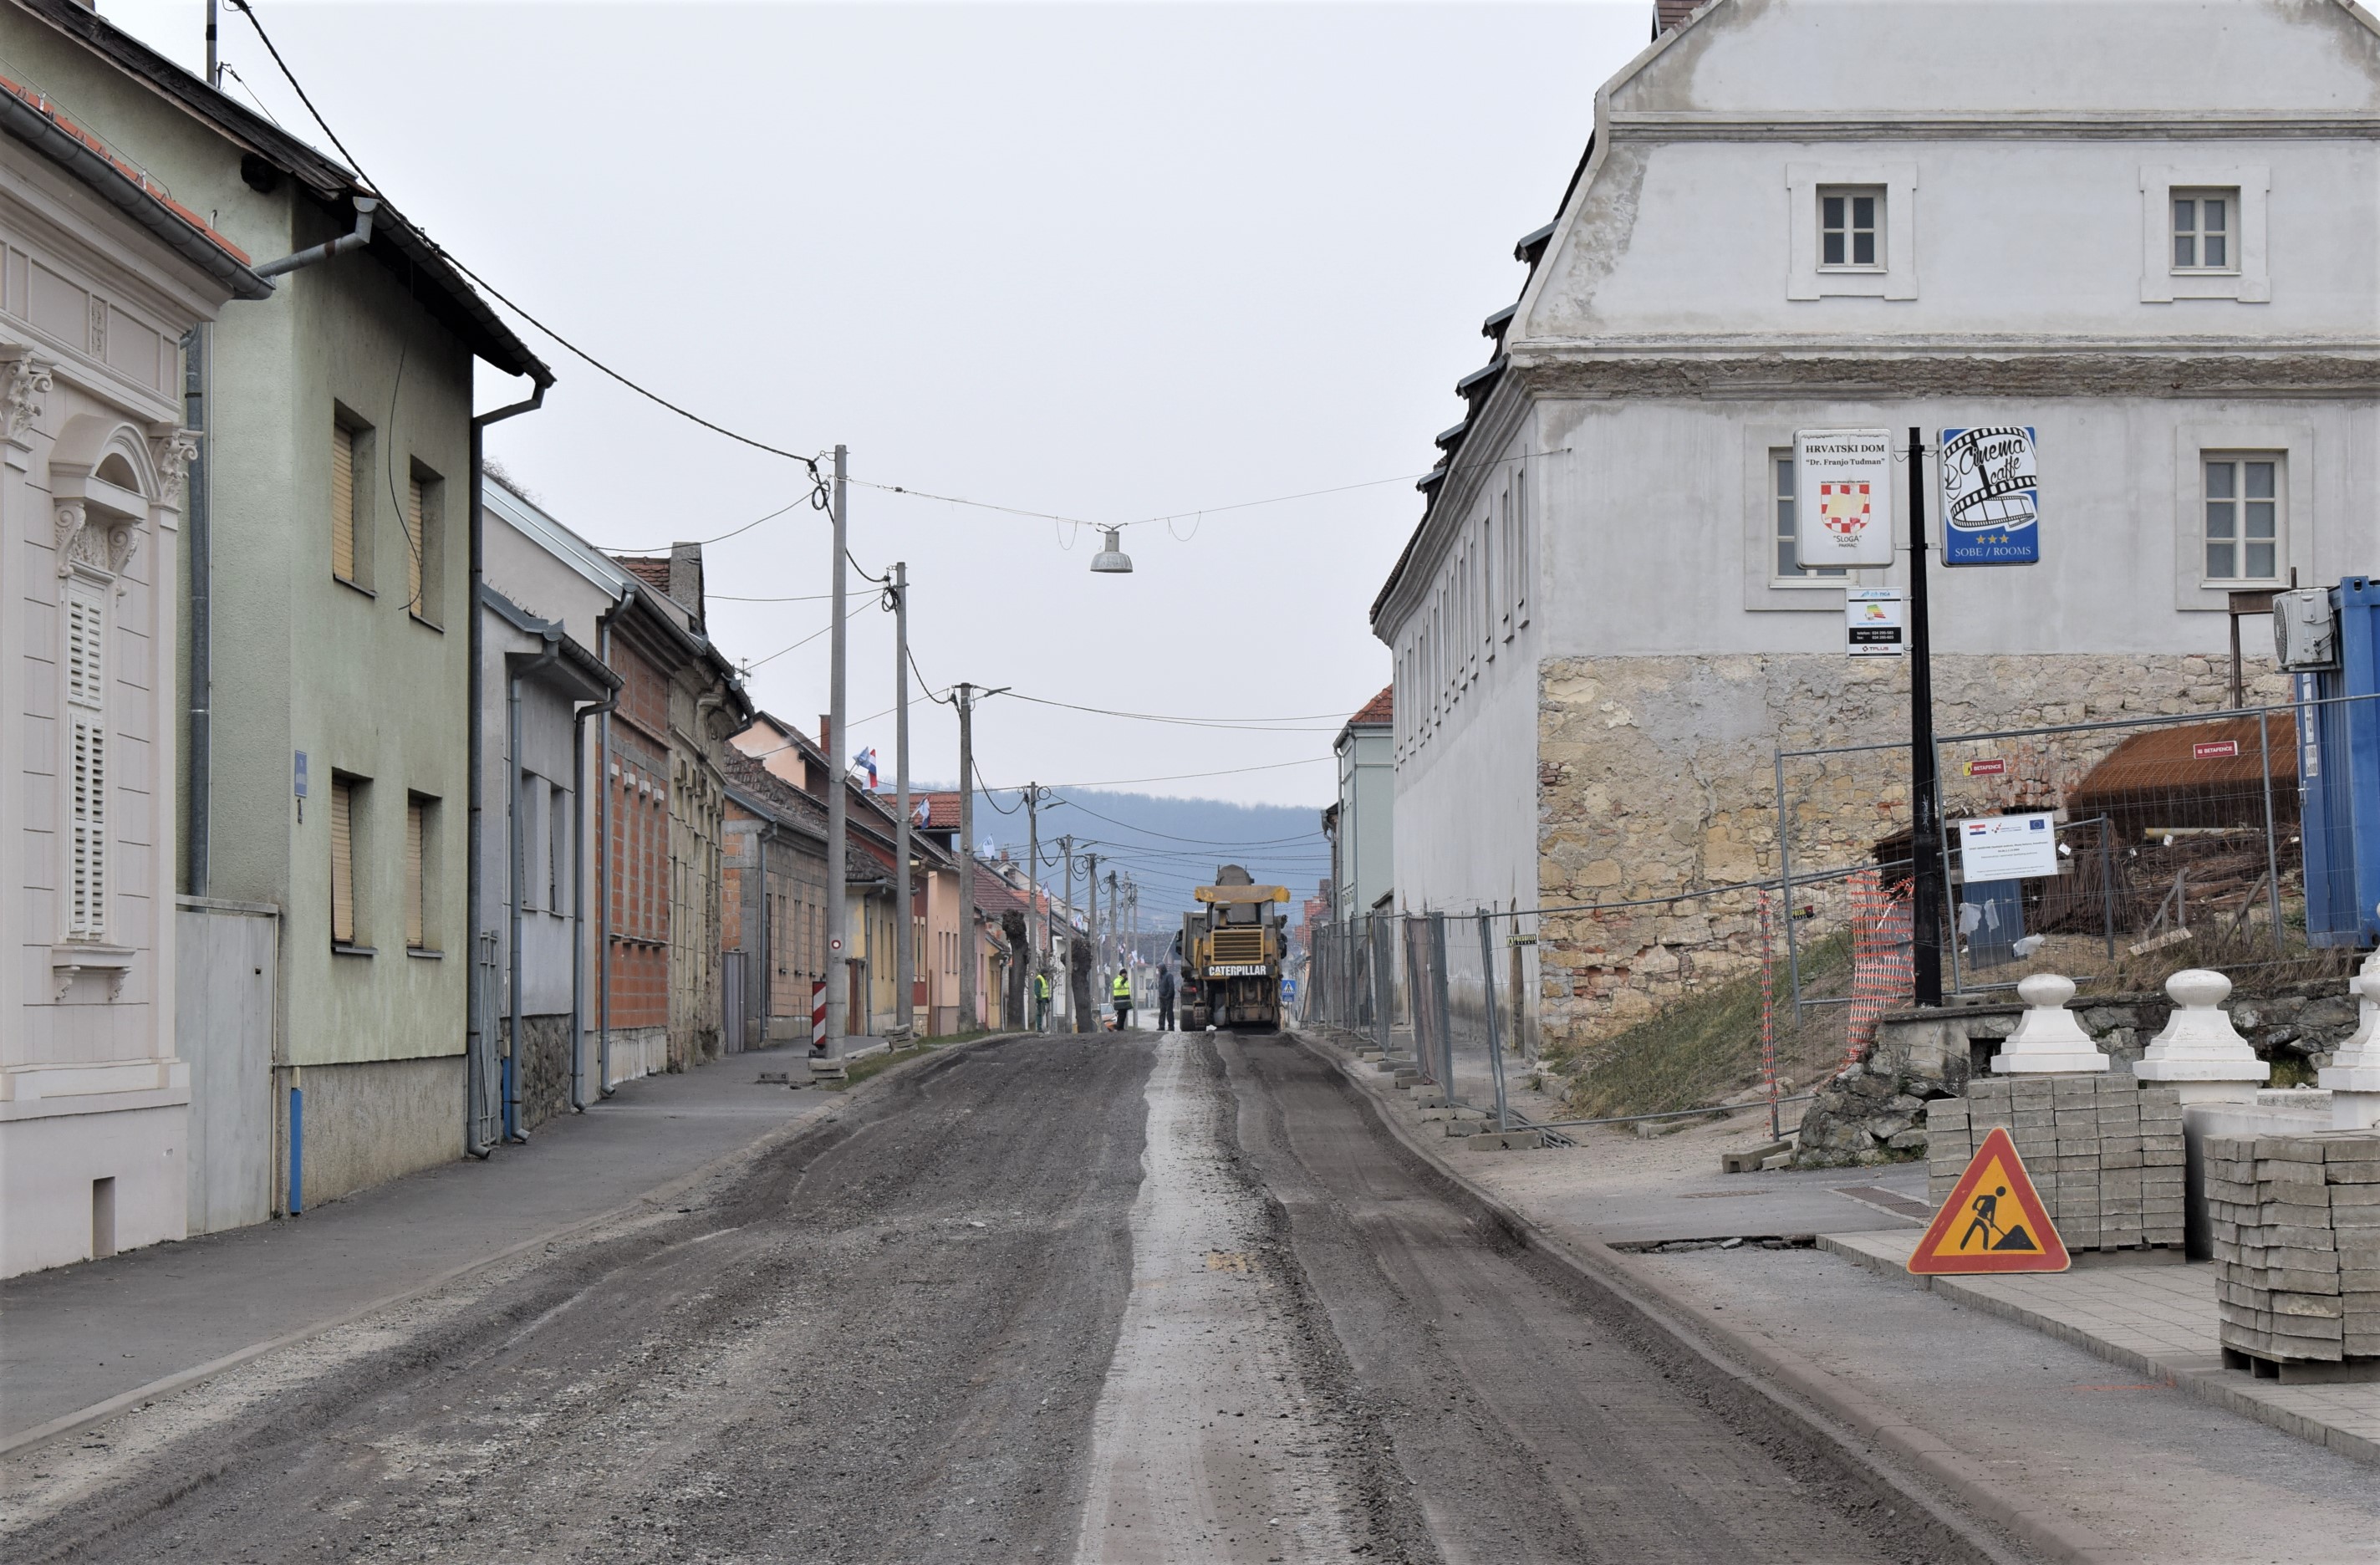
[1843,499]
[1991,497]
[1875,622]
[2008,847]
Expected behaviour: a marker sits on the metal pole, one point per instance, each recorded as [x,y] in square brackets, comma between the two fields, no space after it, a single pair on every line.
[1495,1044]
[904,953]
[838,823]
[214,61]
[2107,878]
[1438,998]
[2272,856]
[1925,817]
[966,855]
[1942,851]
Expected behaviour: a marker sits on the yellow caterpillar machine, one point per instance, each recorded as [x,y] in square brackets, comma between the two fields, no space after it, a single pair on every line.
[1231,949]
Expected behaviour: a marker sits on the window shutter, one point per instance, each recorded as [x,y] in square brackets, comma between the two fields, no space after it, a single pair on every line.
[343,863]
[87,846]
[86,660]
[415,890]
[343,503]
[86,649]
[414,543]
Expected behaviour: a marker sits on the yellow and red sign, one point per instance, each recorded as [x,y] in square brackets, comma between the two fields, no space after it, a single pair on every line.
[1994,1220]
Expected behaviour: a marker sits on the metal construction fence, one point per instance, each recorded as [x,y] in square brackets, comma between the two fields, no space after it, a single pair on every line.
[1437,988]
[2163,831]
[2165,841]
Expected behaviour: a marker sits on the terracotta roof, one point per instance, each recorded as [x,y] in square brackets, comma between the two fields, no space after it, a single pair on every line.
[1381,708]
[133,175]
[654,572]
[942,810]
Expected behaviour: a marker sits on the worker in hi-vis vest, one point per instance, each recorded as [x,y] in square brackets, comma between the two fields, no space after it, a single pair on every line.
[1122,993]
[1040,1003]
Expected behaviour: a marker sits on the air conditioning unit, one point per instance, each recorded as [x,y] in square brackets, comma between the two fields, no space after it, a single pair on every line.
[2305,631]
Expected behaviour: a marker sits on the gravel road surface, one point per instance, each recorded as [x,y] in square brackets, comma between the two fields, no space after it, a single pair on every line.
[1115,1299]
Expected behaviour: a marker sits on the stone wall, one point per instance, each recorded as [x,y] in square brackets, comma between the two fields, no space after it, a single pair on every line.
[1874,1111]
[1655,775]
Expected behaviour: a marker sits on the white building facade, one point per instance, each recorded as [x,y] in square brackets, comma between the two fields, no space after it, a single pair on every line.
[100,278]
[2145,231]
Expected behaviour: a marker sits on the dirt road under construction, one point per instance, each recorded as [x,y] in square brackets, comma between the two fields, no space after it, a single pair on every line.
[1167,1298]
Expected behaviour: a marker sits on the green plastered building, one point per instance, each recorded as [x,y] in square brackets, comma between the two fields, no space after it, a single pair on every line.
[324,688]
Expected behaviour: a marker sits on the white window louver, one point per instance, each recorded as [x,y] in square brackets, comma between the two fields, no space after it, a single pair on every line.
[86,657]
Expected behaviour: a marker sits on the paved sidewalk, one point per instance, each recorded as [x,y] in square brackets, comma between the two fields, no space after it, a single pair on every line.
[2077,1461]
[78,1335]
[2155,1320]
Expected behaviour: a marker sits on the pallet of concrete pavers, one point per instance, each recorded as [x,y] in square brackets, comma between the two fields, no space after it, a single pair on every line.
[2295,1221]
[2104,1152]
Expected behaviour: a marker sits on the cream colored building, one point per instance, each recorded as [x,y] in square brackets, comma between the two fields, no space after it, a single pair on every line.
[102,275]
[2147,231]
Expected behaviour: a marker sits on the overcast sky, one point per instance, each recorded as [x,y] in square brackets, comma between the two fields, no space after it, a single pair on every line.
[1106,262]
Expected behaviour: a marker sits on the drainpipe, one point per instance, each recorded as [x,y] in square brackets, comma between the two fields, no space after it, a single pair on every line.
[768,966]
[603,869]
[354,240]
[703,707]
[199,542]
[516,872]
[579,897]
[475,1059]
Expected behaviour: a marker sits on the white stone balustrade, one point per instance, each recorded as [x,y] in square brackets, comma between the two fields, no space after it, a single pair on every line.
[2047,1038]
[2199,1051]
[2354,1074]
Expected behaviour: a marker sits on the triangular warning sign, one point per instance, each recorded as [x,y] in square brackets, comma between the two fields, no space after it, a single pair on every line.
[1993,1221]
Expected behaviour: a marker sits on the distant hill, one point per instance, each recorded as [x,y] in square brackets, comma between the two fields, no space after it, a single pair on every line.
[1168,845]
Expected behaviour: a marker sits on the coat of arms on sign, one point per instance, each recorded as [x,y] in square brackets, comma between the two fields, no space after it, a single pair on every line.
[1843,508]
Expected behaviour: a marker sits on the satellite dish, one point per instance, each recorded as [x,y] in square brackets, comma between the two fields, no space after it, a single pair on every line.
[1112,560]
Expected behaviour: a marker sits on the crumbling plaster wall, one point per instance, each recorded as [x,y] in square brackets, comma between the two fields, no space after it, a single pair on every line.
[1655,775]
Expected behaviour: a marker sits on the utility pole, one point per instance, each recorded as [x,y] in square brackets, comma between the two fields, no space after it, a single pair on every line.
[214,60]
[1033,882]
[1066,851]
[1098,956]
[838,824]
[905,956]
[967,854]
[1924,803]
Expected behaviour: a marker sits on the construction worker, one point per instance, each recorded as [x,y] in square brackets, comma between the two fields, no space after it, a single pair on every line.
[1165,998]
[1042,1001]
[1121,990]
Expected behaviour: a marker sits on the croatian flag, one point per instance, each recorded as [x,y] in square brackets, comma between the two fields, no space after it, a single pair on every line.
[865,761]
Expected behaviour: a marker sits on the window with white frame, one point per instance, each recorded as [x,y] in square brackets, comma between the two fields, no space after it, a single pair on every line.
[2242,499]
[1785,528]
[2205,225]
[87,673]
[1487,587]
[1850,223]
[1525,548]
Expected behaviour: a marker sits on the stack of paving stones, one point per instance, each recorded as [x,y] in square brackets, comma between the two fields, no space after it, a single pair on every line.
[2104,1152]
[2296,1224]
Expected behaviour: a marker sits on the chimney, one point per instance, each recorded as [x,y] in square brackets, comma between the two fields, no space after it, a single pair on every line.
[685,577]
[826,734]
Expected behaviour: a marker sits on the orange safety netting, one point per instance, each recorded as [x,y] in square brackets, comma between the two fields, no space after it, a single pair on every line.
[1882,970]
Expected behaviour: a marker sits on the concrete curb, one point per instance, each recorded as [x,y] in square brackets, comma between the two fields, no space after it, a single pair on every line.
[2207,1380]
[1828,1408]
[182,1381]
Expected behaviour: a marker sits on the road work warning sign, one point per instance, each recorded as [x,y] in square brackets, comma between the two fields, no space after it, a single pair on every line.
[1993,1221]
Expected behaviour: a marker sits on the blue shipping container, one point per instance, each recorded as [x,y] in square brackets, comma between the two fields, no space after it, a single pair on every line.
[2338,776]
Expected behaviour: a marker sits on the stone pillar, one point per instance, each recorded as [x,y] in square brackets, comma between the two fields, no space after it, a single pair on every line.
[2048,1039]
[2354,1074]
[2199,1051]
